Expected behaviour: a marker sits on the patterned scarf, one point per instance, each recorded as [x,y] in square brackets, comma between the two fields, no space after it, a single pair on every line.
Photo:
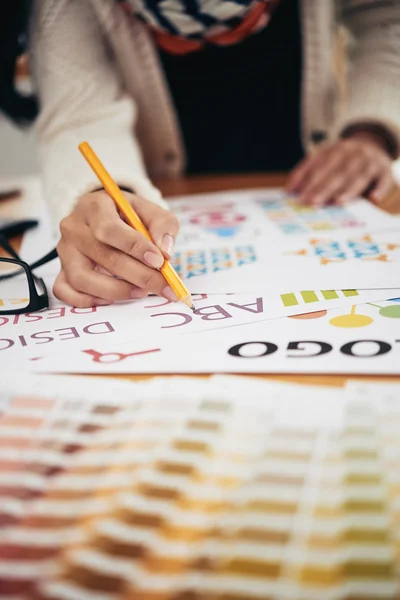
[183,26]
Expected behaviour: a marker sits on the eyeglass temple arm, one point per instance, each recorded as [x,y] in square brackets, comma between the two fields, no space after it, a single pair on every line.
[7,247]
[45,259]
[42,261]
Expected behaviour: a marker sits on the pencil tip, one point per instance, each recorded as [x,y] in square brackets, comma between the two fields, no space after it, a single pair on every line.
[193,308]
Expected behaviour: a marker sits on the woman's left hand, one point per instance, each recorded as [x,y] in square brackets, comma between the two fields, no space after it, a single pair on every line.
[340,171]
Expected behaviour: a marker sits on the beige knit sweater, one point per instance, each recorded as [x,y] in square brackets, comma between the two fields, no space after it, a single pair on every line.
[99,79]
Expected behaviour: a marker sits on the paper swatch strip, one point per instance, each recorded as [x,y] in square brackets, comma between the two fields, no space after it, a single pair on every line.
[199,493]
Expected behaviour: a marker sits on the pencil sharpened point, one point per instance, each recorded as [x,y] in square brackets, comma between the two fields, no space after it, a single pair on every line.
[193,308]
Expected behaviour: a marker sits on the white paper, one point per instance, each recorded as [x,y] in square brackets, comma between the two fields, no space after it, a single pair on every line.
[258,241]
[241,215]
[62,328]
[361,340]
[361,262]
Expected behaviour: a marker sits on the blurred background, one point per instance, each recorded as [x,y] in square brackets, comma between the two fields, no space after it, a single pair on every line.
[17,146]
[18,153]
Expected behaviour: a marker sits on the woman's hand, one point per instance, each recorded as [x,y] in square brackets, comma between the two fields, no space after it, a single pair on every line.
[343,170]
[95,243]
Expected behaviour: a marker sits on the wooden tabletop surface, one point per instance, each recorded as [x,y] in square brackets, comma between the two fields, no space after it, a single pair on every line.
[196,185]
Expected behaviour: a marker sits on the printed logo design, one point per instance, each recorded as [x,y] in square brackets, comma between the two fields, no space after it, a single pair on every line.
[336,251]
[353,319]
[310,296]
[200,262]
[294,218]
[223,223]
[222,220]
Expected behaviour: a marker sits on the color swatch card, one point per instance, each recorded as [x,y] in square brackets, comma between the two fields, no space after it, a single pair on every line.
[196,491]
[356,340]
[44,423]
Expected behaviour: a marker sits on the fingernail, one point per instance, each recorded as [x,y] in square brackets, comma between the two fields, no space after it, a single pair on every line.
[169,294]
[153,259]
[167,244]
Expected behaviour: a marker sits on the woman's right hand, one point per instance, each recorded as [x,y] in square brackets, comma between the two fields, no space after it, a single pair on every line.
[104,260]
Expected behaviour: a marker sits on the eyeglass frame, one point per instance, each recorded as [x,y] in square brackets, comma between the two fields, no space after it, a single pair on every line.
[37,301]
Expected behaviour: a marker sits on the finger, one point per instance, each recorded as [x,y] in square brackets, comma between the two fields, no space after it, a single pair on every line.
[80,274]
[124,267]
[318,181]
[357,182]
[299,174]
[351,191]
[64,292]
[136,292]
[383,187]
[338,181]
[162,224]
[108,228]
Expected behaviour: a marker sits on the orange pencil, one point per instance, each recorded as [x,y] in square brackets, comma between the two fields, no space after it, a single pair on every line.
[134,220]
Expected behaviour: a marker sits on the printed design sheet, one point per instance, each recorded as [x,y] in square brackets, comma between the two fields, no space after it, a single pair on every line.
[291,219]
[202,490]
[214,218]
[245,242]
[356,340]
[60,329]
[237,215]
[362,262]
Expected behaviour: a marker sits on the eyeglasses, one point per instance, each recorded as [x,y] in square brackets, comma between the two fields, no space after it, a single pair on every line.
[25,292]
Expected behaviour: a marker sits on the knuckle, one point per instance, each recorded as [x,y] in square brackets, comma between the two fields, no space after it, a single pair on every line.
[90,201]
[175,222]
[60,249]
[148,281]
[67,226]
[134,246]
[104,231]
[78,279]
[111,258]
[57,290]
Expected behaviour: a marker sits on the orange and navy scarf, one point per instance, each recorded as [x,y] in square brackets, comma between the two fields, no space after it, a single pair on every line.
[183,26]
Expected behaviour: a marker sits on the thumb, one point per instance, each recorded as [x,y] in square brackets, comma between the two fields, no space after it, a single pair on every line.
[162,224]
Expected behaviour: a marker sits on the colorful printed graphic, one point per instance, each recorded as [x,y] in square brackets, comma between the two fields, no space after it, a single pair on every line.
[200,262]
[336,251]
[224,223]
[223,220]
[309,296]
[353,319]
[294,218]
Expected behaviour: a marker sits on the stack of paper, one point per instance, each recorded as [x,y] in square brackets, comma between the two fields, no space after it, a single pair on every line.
[250,259]
[220,488]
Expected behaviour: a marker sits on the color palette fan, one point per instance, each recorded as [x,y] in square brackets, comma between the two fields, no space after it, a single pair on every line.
[196,490]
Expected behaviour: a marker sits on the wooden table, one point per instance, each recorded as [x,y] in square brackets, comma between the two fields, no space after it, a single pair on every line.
[193,185]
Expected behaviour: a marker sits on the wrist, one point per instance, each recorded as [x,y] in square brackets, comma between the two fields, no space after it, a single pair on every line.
[374,135]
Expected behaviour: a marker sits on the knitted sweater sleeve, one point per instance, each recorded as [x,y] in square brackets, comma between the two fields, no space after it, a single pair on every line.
[81,98]
[373,76]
